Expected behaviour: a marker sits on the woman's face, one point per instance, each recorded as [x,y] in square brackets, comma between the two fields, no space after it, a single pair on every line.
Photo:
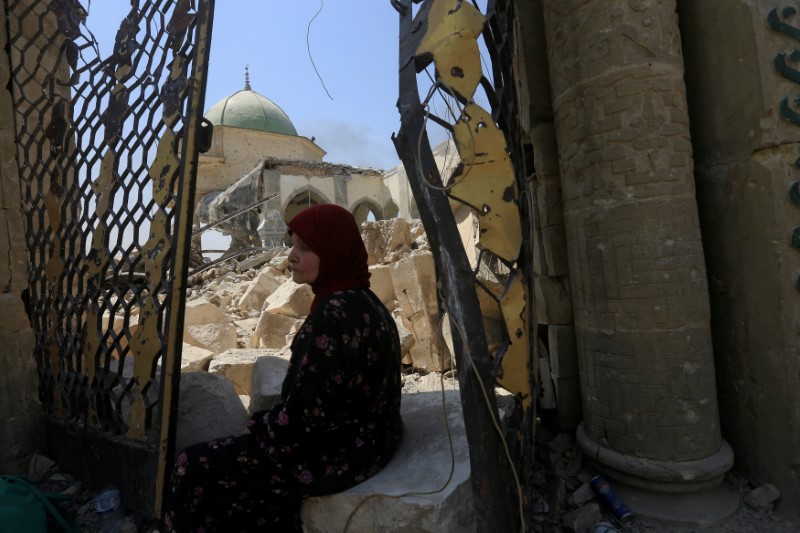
[304,262]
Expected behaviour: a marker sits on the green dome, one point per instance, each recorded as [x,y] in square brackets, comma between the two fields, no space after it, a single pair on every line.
[250,110]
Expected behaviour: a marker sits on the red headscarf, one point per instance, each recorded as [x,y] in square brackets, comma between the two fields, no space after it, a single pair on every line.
[332,233]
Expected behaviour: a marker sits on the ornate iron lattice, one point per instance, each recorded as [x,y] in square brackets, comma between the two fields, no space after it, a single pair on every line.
[107,150]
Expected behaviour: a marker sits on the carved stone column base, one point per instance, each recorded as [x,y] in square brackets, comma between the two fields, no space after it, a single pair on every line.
[658,476]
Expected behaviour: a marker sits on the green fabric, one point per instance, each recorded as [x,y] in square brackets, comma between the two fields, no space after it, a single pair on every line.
[24,508]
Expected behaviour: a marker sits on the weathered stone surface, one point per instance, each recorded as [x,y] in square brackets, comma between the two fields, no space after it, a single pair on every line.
[406,337]
[271,330]
[414,280]
[386,240]
[582,518]
[259,289]
[381,284]
[553,305]
[209,408]
[12,312]
[568,400]
[563,350]
[216,337]
[763,497]
[268,374]
[290,299]
[195,358]
[582,494]
[554,243]
[414,284]
[202,311]
[237,367]
[445,511]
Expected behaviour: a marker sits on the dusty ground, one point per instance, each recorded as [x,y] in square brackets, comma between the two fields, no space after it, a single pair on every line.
[560,472]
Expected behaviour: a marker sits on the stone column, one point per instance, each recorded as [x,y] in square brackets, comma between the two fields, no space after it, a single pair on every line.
[636,264]
[746,139]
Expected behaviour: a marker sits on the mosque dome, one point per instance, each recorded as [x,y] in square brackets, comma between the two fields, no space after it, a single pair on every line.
[249,110]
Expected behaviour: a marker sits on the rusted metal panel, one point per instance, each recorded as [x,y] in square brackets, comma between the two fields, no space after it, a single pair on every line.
[451,40]
[486,182]
[444,31]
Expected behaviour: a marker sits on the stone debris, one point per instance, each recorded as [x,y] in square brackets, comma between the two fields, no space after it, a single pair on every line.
[763,497]
[582,518]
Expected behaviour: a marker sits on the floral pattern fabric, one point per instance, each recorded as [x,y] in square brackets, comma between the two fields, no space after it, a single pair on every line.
[337,423]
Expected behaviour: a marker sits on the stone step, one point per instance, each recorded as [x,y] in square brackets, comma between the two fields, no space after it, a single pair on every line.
[416,492]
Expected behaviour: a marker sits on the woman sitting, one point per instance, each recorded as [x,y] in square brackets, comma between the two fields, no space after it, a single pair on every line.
[338,419]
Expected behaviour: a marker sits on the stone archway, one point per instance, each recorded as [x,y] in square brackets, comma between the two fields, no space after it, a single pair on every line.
[363,208]
[301,199]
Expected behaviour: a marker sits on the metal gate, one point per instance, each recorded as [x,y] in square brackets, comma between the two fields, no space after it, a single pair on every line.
[107,151]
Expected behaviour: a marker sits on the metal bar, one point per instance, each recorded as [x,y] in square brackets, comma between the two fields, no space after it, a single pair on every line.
[170,383]
[233,215]
[228,257]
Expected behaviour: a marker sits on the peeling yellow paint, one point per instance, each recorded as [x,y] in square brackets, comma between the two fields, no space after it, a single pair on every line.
[487,182]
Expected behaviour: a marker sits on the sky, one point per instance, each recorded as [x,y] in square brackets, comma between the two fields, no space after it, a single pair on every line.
[331,65]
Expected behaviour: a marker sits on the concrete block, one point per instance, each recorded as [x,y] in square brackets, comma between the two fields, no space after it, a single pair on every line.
[414,280]
[582,518]
[381,284]
[290,299]
[386,240]
[548,201]
[195,358]
[582,494]
[552,302]
[543,138]
[216,337]
[763,497]
[263,285]
[539,257]
[429,350]
[407,339]
[201,311]
[271,330]
[267,378]
[209,408]
[554,243]
[448,510]
[237,367]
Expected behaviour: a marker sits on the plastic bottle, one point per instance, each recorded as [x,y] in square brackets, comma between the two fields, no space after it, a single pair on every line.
[110,516]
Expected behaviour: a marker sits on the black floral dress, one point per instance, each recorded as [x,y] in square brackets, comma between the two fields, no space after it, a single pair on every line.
[338,423]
